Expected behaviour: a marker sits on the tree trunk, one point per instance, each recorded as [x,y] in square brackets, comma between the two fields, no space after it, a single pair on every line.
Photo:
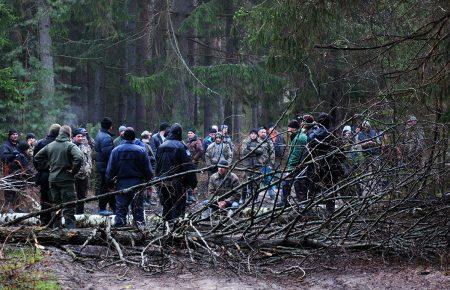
[47,82]
[142,55]
[130,60]
[99,92]
[237,115]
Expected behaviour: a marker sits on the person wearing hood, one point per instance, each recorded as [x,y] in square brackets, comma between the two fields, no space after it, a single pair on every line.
[43,174]
[173,157]
[368,139]
[8,151]
[31,140]
[129,165]
[103,147]
[64,160]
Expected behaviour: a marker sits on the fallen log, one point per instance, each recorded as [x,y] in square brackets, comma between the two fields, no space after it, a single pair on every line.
[83,220]
[47,236]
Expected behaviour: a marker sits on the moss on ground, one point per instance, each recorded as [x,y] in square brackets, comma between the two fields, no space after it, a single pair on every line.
[19,269]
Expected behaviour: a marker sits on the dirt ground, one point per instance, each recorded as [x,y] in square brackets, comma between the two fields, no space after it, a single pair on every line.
[348,271]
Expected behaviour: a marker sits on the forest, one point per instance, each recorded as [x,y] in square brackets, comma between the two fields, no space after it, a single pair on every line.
[248,64]
[238,63]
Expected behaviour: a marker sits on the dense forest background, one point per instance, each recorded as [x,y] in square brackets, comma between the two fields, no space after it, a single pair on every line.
[238,62]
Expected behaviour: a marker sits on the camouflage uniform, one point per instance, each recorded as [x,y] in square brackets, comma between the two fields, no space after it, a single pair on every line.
[82,177]
[216,152]
[254,161]
[221,184]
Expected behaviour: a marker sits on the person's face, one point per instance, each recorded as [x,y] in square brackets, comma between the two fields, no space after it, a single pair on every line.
[191,135]
[79,138]
[218,140]
[222,170]
[348,134]
[121,133]
[253,135]
[411,123]
[262,133]
[31,141]
[292,130]
[14,137]
[213,135]
[225,130]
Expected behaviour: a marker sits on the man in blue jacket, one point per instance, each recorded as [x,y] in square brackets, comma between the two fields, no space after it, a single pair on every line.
[173,157]
[129,165]
[103,147]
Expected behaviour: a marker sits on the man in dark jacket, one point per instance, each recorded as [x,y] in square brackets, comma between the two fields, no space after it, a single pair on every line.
[103,147]
[43,174]
[8,151]
[64,160]
[209,139]
[160,137]
[321,142]
[21,169]
[173,157]
[129,165]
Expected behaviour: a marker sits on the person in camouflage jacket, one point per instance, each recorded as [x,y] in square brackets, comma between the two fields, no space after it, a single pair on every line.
[82,177]
[220,183]
[217,151]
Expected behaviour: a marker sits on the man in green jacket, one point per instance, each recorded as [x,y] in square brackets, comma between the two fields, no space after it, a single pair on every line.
[64,160]
[297,153]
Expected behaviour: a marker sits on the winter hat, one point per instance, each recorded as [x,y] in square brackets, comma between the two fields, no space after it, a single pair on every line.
[253,131]
[122,128]
[294,124]
[30,136]
[346,129]
[219,136]
[106,123]
[11,132]
[54,130]
[309,119]
[412,118]
[223,126]
[192,130]
[66,130]
[23,146]
[366,124]
[79,131]
[129,134]
[223,163]
[324,119]
[163,126]
[212,131]
[215,127]
[176,131]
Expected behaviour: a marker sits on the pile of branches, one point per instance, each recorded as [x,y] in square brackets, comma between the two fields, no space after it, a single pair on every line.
[388,204]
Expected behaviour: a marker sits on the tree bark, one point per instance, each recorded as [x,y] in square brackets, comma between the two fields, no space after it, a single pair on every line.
[47,82]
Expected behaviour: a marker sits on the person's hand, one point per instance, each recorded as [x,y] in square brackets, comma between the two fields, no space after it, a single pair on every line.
[222,204]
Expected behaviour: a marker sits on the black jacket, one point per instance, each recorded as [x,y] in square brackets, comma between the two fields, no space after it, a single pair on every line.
[103,147]
[173,157]
[43,174]
[155,142]
[8,151]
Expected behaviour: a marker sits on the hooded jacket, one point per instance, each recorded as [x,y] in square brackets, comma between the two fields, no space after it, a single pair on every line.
[173,157]
[62,157]
[103,147]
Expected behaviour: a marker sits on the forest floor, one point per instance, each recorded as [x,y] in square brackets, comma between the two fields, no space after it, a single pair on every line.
[330,270]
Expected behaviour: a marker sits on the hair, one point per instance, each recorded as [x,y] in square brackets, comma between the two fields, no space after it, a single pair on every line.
[163,126]
[106,123]
[129,134]
[54,130]
[294,124]
[65,129]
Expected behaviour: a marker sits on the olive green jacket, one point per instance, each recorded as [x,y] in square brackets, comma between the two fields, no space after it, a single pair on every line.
[62,158]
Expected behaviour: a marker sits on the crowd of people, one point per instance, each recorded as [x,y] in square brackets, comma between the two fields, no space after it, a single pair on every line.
[311,161]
